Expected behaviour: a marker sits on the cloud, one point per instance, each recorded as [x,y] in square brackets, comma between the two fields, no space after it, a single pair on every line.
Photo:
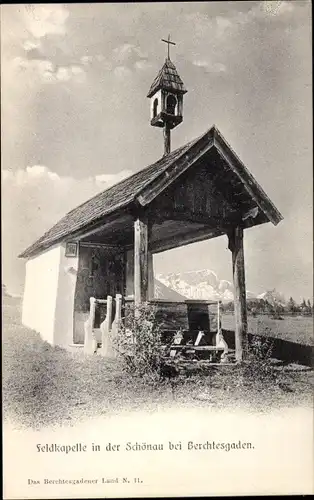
[142,64]
[219,27]
[110,179]
[122,71]
[127,51]
[87,60]
[43,56]
[42,176]
[42,20]
[35,67]
[66,73]
[98,59]
[210,67]
[29,45]
[277,7]
[222,24]
[225,31]
[130,56]
[34,198]
[47,72]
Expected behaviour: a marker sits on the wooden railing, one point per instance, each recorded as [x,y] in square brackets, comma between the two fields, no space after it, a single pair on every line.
[105,334]
[108,328]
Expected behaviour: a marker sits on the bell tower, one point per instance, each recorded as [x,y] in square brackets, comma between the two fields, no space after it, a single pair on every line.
[166,99]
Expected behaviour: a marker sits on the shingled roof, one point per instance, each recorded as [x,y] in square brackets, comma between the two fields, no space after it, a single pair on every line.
[168,79]
[127,191]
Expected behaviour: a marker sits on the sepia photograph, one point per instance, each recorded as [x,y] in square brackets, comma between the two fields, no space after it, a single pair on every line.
[157,249]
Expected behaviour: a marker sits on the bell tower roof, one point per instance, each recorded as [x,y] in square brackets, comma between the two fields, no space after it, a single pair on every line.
[167,79]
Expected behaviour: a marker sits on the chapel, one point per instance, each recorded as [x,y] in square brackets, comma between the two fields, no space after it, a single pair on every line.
[101,252]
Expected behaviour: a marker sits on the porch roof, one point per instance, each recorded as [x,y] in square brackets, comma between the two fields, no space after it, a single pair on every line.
[145,185]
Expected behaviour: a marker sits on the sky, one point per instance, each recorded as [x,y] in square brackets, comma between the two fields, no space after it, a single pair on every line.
[75,118]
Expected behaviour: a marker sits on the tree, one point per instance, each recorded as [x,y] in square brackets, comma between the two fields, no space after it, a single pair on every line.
[269,308]
[303,307]
[309,307]
[292,307]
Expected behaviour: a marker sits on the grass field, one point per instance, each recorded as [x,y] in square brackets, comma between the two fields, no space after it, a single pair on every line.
[294,328]
[45,385]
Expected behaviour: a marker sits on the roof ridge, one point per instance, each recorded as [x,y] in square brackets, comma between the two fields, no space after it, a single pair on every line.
[174,155]
[188,144]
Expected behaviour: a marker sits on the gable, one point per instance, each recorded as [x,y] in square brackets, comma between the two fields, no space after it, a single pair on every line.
[234,179]
[193,196]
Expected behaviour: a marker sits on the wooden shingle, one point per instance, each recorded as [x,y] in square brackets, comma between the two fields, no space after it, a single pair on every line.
[168,79]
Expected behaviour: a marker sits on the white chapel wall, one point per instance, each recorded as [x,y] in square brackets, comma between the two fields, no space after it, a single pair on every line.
[159,106]
[40,292]
[64,315]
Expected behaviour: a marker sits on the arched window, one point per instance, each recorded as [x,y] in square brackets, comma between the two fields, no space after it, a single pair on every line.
[171,104]
[155,106]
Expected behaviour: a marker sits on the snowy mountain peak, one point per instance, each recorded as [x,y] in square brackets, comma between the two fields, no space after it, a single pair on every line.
[202,284]
[273,297]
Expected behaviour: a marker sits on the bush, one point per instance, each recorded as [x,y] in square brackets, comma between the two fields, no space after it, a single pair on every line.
[258,365]
[139,345]
[256,370]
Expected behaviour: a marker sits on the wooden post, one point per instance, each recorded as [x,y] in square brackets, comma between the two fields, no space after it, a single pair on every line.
[140,261]
[105,328]
[151,279]
[220,341]
[90,343]
[115,325]
[167,139]
[240,313]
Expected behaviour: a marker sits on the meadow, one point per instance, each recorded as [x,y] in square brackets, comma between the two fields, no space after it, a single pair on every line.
[46,385]
[294,328]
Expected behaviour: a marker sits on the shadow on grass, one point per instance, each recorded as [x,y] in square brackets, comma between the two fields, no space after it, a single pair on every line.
[46,385]
[285,350]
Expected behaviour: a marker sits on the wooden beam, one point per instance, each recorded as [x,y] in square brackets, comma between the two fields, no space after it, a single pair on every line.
[140,260]
[159,216]
[240,313]
[181,239]
[211,221]
[106,222]
[89,244]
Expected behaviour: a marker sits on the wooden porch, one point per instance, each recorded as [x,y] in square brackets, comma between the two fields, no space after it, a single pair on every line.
[191,328]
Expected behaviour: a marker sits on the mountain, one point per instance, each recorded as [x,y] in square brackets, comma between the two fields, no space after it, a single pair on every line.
[203,284]
[164,292]
[273,297]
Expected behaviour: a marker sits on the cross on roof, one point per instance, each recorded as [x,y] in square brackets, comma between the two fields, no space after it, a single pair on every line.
[169,43]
